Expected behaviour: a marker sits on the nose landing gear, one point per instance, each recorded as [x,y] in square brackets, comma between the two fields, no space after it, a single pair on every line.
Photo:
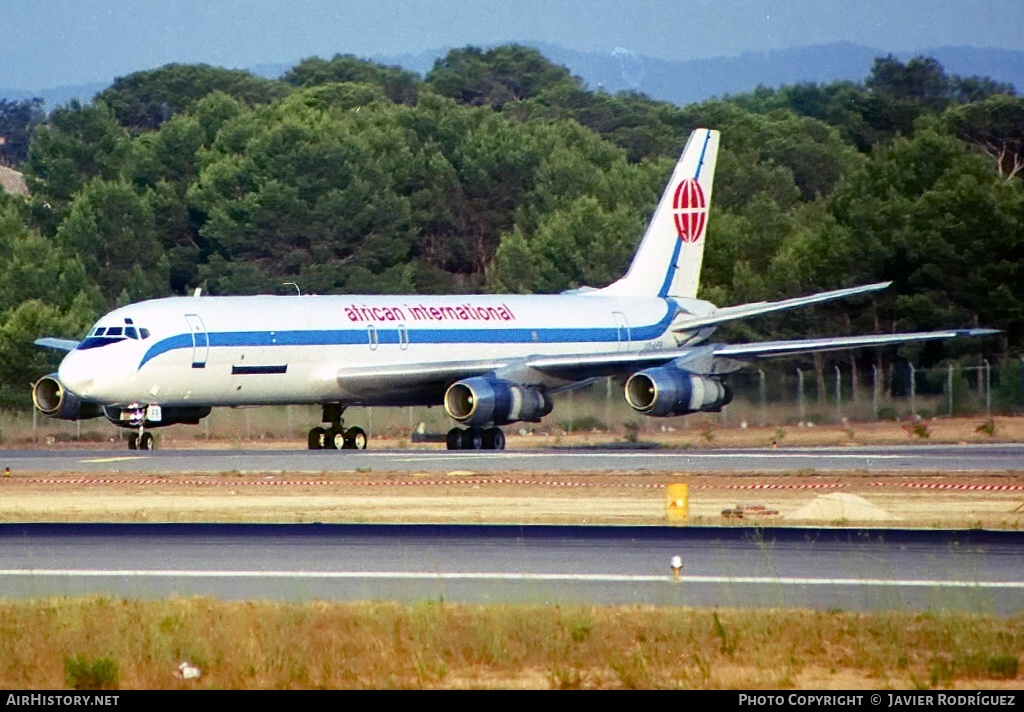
[141,441]
[337,436]
[135,414]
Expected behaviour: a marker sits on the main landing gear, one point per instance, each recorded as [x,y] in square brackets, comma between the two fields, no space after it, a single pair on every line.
[336,436]
[475,439]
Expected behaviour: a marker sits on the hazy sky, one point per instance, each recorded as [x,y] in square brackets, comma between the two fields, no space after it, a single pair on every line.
[47,43]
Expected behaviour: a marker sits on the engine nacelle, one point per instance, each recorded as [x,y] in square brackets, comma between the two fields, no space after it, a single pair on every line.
[666,391]
[483,401]
[51,398]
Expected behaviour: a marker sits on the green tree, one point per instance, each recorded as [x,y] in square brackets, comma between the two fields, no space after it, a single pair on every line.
[496,76]
[78,143]
[18,119]
[900,93]
[643,127]
[142,101]
[581,245]
[995,126]
[113,231]
[812,150]
[931,215]
[21,362]
[395,83]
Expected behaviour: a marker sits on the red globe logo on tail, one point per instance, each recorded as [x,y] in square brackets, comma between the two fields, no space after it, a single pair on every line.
[690,210]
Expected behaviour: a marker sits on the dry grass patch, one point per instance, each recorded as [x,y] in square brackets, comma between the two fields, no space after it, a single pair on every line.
[134,644]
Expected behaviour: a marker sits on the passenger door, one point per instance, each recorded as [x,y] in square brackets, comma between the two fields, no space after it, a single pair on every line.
[200,340]
[623,331]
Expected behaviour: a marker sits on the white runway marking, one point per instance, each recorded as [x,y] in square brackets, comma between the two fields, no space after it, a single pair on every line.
[502,576]
[114,459]
[659,455]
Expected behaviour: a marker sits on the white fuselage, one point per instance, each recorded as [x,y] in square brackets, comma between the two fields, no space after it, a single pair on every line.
[224,351]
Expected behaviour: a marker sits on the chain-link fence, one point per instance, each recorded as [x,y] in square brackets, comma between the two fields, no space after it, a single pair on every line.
[767,396]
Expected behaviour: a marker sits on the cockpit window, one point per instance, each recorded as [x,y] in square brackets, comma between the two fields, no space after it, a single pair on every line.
[105,335]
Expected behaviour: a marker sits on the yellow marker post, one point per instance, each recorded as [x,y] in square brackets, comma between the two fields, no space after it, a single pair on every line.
[677,502]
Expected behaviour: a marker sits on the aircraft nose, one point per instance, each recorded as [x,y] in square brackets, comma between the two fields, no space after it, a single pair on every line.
[76,375]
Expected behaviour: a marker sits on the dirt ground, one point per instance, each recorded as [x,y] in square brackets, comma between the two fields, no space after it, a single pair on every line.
[927,500]
[675,433]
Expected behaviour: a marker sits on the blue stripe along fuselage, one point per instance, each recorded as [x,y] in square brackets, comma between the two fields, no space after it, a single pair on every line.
[357,335]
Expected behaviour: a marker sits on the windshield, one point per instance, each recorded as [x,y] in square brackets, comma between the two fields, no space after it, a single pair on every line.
[106,335]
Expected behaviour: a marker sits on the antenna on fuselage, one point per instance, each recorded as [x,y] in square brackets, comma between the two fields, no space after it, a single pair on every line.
[198,292]
[297,292]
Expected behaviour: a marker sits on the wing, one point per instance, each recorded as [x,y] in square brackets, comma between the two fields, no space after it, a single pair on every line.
[570,371]
[744,311]
[769,349]
[59,344]
[555,372]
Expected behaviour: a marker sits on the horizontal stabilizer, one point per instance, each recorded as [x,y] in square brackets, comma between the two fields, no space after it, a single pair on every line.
[59,344]
[770,349]
[744,311]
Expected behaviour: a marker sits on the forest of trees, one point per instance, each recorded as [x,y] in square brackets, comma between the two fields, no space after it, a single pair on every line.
[499,171]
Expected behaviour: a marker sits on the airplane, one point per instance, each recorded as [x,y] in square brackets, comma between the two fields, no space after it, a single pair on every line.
[490,360]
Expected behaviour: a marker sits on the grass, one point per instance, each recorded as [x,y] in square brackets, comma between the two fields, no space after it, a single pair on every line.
[97,642]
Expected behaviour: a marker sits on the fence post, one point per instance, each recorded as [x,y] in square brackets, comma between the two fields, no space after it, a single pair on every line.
[988,387]
[762,394]
[839,396]
[949,387]
[572,413]
[913,388]
[800,393]
[608,404]
[874,389]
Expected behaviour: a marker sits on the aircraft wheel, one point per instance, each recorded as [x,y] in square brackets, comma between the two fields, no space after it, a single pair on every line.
[316,438]
[494,439]
[133,441]
[355,439]
[472,439]
[146,442]
[333,438]
[454,439]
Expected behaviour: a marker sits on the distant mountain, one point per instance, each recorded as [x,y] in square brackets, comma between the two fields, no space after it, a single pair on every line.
[695,80]
[680,82]
[56,96]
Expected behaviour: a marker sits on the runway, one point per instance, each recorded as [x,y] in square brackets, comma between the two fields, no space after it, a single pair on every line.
[818,568]
[928,458]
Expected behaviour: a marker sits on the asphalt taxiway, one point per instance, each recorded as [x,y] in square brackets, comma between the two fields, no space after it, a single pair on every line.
[919,458]
[845,569]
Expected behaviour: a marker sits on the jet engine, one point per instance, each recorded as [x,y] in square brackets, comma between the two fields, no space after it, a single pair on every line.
[482,401]
[666,391]
[53,399]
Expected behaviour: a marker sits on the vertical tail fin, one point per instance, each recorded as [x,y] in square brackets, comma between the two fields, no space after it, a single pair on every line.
[667,263]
